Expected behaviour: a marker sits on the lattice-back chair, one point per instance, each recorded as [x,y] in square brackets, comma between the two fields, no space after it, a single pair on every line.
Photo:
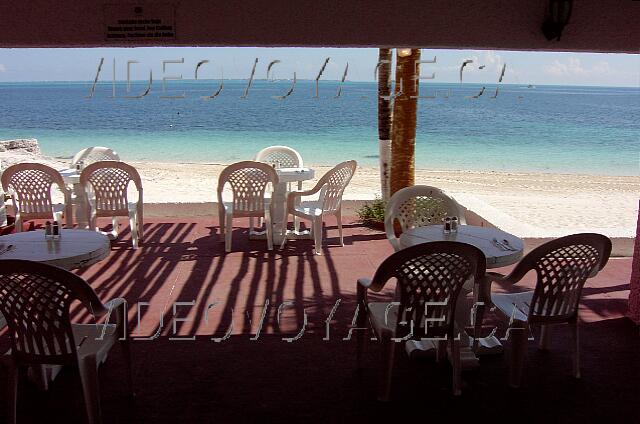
[282,157]
[429,278]
[249,182]
[418,206]
[329,190]
[106,184]
[93,154]
[30,186]
[35,299]
[562,267]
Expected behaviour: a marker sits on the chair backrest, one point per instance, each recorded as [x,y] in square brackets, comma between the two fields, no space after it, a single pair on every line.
[430,276]
[280,157]
[35,300]
[562,267]
[30,185]
[108,182]
[418,206]
[248,181]
[94,154]
[333,183]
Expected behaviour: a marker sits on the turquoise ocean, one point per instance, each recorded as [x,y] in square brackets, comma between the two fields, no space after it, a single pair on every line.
[566,129]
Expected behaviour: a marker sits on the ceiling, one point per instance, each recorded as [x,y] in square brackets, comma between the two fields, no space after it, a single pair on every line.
[595,25]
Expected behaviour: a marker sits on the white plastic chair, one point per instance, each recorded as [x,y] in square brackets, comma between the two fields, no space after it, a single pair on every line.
[35,299]
[562,267]
[418,206]
[106,184]
[429,277]
[282,157]
[86,157]
[93,154]
[248,181]
[30,186]
[329,189]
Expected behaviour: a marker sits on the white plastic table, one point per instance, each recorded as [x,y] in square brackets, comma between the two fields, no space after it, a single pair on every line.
[74,249]
[499,247]
[279,199]
[72,177]
[480,237]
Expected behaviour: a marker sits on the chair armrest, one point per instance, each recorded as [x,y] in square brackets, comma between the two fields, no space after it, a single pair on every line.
[117,304]
[297,193]
[364,282]
[363,287]
[114,303]
[314,190]
[494,276]
[292,196]
[89,196]
[511,279]
[515,276]
[485,285]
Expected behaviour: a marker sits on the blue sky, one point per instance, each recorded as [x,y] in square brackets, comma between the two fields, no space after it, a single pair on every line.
[236,62]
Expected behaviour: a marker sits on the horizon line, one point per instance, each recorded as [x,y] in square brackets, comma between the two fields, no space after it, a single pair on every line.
[311,80]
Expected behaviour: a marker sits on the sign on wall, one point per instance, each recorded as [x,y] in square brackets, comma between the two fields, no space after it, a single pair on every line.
[136,23]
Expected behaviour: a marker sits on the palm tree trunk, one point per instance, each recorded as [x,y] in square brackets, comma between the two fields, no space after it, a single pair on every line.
[403,138]
[384,118]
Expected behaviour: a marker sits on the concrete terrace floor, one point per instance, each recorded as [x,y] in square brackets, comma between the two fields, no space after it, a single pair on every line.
[182,375]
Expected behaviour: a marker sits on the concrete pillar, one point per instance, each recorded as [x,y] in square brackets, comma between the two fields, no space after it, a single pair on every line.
[634,285]
[3,211]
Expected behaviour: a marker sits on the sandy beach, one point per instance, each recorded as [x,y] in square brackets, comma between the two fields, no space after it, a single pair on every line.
[526,204]
[531,204]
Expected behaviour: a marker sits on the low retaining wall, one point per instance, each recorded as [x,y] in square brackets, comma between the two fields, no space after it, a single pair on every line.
[622,246]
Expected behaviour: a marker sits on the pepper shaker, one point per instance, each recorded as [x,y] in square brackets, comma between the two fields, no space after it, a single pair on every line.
[56,230]
[447,225]
[454,224]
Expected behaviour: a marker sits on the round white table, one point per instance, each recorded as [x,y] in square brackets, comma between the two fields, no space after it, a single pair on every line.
[499,247]
[70,176]
[279,198]
[74,248]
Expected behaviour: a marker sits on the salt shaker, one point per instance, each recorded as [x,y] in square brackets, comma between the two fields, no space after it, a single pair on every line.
[48,231]
[454,224]
[56,230]
[447,225]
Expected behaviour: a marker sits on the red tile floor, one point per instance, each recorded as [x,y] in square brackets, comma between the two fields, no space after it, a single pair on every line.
[182,274]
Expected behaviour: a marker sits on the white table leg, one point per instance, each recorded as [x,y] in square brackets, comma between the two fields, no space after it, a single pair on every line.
[468,358]
[81,206]
[489,345]
[279,201]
